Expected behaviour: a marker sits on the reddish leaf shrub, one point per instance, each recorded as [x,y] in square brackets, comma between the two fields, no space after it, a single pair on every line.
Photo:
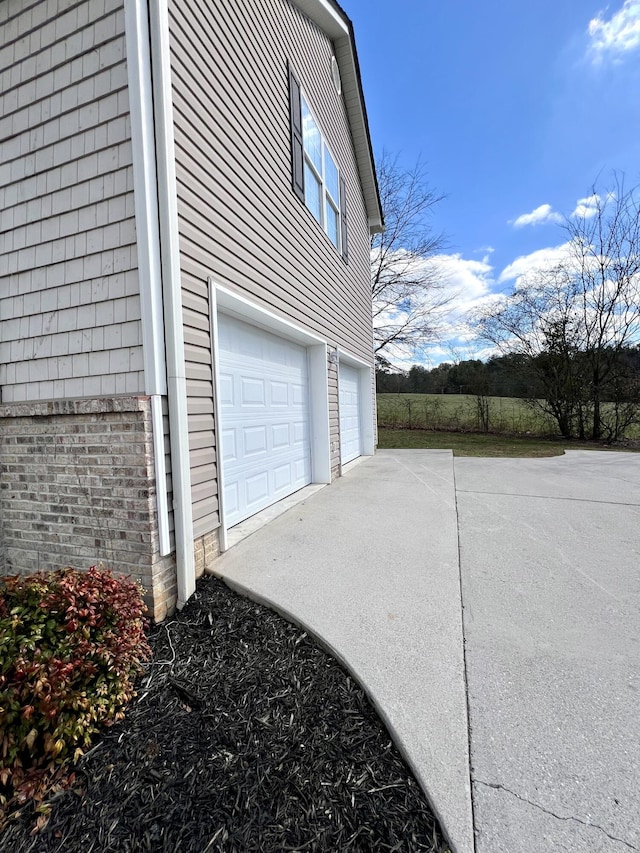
[71,645]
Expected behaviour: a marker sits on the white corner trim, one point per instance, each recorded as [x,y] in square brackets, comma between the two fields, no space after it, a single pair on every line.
[161,476]
[171,285]
[145,194]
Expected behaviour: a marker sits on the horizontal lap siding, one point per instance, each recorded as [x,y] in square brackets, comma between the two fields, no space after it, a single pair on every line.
[202,444]
[69,298]
[334,418]
[240,221]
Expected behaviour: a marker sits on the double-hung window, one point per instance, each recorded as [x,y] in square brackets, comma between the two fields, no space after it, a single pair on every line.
[316,178]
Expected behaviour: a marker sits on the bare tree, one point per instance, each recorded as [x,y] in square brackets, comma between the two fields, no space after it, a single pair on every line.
[536,321]
[605,260]
[409,292]
[576,323]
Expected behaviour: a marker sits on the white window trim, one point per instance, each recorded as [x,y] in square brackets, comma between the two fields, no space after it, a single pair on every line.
[324,190]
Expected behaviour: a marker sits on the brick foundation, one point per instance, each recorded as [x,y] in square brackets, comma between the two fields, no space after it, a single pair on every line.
[206,549]
[77,487]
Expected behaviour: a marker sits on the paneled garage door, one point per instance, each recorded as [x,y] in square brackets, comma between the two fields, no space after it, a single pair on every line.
[264,397]
[350,442]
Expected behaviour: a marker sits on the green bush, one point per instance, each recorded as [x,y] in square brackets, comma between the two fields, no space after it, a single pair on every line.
[71,645]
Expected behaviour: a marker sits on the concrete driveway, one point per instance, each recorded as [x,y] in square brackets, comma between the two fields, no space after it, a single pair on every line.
[550,559]
[526,735]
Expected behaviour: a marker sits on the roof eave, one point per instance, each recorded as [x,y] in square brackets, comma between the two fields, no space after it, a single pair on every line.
[333,21]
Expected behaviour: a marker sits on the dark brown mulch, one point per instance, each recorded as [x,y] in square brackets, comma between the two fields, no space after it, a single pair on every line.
[245,736]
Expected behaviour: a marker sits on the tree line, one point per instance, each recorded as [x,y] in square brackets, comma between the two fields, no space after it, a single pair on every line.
[566,337]
[555,381]
[501,376]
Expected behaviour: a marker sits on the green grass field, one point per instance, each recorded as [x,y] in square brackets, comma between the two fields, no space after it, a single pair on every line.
[460,412]
[454,422]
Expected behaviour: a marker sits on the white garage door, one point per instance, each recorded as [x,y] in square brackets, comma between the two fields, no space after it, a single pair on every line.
[264,418]
[350,443]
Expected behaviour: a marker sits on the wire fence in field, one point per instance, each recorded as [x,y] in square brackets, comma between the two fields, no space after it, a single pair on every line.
[464,412]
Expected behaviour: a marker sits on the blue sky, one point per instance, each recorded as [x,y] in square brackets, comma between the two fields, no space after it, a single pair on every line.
[516,108]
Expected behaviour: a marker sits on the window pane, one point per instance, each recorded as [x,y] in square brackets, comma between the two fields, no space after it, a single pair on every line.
[331,176]
[312,195]
[332,223]
[311,138]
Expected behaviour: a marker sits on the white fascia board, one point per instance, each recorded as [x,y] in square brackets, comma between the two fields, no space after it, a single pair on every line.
[325,15]
[351,92]
[171,284]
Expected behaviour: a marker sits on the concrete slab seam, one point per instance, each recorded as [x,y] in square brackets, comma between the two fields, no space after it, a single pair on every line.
[464,656]
[547,497]
[264,600]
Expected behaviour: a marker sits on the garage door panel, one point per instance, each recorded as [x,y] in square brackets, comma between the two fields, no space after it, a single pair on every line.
[227,396]
[282,477]
[280,436]
[229,450]
[257,488]
[265,418]
[350,439]
[279,394]
[302,471]
[252,392]
[254,440]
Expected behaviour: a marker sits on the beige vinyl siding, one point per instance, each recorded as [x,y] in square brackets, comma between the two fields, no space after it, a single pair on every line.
[198,366]
[240,221]
[334,418]
[69,298]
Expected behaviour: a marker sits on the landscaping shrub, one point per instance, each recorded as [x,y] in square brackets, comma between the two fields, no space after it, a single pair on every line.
[71,645]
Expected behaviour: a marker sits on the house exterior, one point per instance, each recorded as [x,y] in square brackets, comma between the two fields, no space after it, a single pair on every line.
[187,192]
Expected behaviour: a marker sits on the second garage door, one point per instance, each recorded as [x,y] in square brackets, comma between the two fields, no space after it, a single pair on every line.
[350,442]
[264,399]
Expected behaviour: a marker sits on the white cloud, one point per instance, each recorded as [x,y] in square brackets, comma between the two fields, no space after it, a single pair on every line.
[539,216]
[587,207]
[469,282]
[618,35]
[541,259]
[473,282]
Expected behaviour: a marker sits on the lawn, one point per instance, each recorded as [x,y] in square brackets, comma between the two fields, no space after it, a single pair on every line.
[460,412]
[508,416]
[480,444]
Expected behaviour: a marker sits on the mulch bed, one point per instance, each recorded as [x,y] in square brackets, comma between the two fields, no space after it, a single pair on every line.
[245,736]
